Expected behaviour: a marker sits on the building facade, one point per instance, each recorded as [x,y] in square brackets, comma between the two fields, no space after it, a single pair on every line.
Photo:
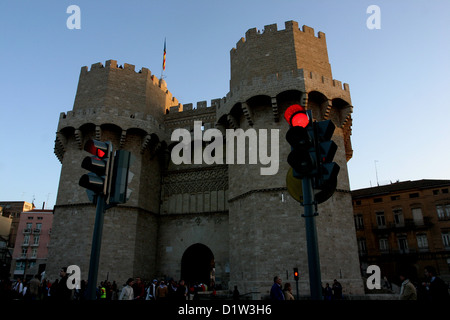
[404,225]
[31,248]
[224,221]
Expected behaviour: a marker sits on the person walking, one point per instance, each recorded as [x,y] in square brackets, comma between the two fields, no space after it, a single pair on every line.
[288,291]
[337,290]
[151,290]
[63,293]
[407,289]
[327,292]
[35,284]
[162,291]
[436,287]
[127,291]
[275,292]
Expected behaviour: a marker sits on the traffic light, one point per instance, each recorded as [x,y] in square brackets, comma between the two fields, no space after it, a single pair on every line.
[296,116]
[120,177]
[296,276]
[301,138]
[312,153]
[98,165]
[327,170]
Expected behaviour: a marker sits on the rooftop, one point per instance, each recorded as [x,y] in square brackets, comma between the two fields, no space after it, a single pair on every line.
[399,186]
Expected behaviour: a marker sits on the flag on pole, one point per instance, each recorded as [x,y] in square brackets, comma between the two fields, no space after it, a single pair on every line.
[164,57]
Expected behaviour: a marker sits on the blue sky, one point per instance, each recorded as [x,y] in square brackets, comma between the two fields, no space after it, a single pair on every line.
[398,75]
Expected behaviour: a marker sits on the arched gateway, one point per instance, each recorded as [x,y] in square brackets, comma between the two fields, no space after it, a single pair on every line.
[197,264]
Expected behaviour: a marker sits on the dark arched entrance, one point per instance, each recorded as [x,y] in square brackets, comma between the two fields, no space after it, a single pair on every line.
[197,264]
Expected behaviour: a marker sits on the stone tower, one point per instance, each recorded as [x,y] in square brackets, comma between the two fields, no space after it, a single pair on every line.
[271,70]
[221,222]
[113,103]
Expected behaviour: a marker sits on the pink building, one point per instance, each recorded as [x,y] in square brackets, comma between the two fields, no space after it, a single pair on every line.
[32,241]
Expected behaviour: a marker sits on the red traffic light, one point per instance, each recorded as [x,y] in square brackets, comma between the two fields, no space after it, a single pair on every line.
[97,148]
[296,116]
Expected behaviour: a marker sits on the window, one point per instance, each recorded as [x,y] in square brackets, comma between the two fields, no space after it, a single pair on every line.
[29,225]
[398,216]
[445,190]
[40,218]
[358,202]
[443,211]
[24,251]
[38,226]
[36,240]
[393,198]
[381,222]
[26,239]
[414,195]
[359,222]
[422,241]
[34,253]
[446,239]
[20,265]
[30,218]
[384,245]
[362,248]
[435,192]
[403,244]
[377,200]
[417,216]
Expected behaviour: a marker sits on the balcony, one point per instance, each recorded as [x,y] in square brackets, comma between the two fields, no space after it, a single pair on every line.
[27,231]
[36,231]
[407,225]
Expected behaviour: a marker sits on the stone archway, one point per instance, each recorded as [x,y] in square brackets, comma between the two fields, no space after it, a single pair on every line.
[197,264]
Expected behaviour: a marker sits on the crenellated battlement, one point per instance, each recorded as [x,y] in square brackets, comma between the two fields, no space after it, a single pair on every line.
[271,29]
[93,113]
[282,81]
[200,106]
[129,71]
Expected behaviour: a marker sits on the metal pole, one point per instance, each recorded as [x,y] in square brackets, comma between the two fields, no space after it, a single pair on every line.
[296,285]
[315,282]
[96,246]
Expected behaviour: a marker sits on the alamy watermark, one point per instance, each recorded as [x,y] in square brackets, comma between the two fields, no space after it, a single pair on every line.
[74,20]
[374,20]
[213,153]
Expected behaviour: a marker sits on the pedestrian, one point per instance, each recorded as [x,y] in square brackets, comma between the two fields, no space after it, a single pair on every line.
[235,293]
[18,288]
[35,284]
[181,292]
[139,289]
[151,290]
[172,287]
[127,291]
[287,291]
[275,292]
[436,287]
[162,291]
[327,292]
[102,290]
[114,295]
[337,290]
[62,292]
[407,289]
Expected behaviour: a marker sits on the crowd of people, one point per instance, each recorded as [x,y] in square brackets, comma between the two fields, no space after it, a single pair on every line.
[133,289]
[277,292]
[433,288]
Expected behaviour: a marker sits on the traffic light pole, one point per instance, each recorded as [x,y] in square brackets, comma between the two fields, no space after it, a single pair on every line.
[315,281]
[96,245]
